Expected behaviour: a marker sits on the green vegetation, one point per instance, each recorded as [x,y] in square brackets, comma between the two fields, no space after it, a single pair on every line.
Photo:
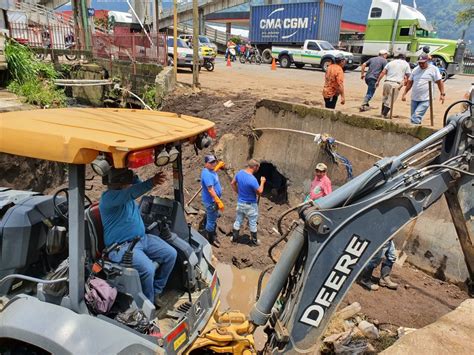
[466,15]
[149,97]
[31,78]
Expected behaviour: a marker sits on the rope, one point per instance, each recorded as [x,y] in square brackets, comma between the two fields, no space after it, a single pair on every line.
[317,136]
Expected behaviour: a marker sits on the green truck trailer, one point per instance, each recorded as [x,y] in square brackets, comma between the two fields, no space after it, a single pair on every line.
[403,29]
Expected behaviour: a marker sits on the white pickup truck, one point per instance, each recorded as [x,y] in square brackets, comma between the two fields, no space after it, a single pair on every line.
[318,54]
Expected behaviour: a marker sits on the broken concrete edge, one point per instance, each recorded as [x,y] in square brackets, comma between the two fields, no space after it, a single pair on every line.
[452,333]
[419,132]
[164,84]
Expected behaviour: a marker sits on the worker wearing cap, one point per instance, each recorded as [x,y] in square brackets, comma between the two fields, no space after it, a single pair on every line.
[321,185]
[396,75]
[122,223]
[334,82]
[419,81]
[375,66]
[247,187]
[211,193]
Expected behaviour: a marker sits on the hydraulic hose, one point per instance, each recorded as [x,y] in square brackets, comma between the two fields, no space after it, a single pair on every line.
[445,117]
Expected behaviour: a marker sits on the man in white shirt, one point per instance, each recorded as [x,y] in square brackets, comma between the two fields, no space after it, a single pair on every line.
[397,71]
[419,81]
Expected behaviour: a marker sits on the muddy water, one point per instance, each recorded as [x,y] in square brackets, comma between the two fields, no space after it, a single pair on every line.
[238,291]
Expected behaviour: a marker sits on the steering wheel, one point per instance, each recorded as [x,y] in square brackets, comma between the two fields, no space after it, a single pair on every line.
[61,207]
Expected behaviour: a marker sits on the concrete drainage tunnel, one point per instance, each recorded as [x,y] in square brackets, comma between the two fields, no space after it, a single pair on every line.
[285,141]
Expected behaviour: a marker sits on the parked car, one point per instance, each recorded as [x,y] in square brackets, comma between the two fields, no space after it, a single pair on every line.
[204,41]
[185,54]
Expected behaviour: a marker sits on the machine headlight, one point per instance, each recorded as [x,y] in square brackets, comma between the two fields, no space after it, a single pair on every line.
[163,158]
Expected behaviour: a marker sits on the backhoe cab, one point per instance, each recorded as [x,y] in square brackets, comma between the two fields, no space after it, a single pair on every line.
[43,307]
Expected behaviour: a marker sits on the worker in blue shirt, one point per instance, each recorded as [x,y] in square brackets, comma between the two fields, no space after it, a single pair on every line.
[246,186]
[211,193]
[122,223]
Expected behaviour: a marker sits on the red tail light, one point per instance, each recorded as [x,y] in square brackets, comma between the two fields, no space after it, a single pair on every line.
[140,158]
[212,132]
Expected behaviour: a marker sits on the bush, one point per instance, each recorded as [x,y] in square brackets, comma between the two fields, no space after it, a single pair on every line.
[31,78]
[39,92]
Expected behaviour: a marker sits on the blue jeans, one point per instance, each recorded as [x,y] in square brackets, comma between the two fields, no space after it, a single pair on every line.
[388,250]
[212,213]
[150,248]
[249,210]
[370,89]
[418,110]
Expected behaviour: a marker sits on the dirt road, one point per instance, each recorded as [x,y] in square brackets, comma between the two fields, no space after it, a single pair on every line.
[305,86]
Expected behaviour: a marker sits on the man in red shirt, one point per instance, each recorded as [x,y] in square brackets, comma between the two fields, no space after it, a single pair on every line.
[321,185]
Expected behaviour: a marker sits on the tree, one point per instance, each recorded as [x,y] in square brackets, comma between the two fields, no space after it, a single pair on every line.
[466,15]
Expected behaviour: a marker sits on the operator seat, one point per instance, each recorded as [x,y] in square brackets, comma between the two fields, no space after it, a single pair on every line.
[128,281]
[96,231]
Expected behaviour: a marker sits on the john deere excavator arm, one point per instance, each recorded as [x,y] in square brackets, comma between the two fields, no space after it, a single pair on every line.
[334,240]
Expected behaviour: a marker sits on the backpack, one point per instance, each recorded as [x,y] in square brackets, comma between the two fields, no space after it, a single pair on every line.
[100,296]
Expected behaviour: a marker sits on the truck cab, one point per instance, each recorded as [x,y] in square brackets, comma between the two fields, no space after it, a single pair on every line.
[318,54]
[413,32]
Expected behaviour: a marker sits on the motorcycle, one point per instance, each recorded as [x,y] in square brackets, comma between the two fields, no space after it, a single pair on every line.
[209,63]
[254,57]
[70,43]
[232,53]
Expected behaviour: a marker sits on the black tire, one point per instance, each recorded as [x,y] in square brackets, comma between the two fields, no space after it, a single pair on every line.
[299,65]
[258,60]
[440,62]
[253,60]
[242,59]
[325,64]
[170,61]
[209,66]
[285,61]
[70,57]
[267,56]
[444,75]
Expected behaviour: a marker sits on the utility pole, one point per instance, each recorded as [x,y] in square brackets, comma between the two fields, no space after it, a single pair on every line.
[156,16]
[195,44]
[175,40]
[395,28]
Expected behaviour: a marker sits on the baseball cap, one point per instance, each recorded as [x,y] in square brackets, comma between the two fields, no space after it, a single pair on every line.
[321,167]
[423,58]
[210,158]
[382,52]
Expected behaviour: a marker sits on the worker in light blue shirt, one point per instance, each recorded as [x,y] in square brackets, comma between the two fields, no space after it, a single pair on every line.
[247,187]
[122,223]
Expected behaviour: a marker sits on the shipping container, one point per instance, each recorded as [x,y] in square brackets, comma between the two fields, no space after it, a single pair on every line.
[292,24]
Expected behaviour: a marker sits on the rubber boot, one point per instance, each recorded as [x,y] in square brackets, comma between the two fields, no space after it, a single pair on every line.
[385,279]
[216,242]
[211,237]
[385,111]
[366,279]
[254,240]
[235,235]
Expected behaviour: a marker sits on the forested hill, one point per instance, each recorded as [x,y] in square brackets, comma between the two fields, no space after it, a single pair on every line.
[441,13]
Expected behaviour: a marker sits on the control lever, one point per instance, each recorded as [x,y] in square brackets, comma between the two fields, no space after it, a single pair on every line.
[127,259]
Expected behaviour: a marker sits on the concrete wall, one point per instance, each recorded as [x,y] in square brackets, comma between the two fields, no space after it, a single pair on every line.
[137,78]
[430,242]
